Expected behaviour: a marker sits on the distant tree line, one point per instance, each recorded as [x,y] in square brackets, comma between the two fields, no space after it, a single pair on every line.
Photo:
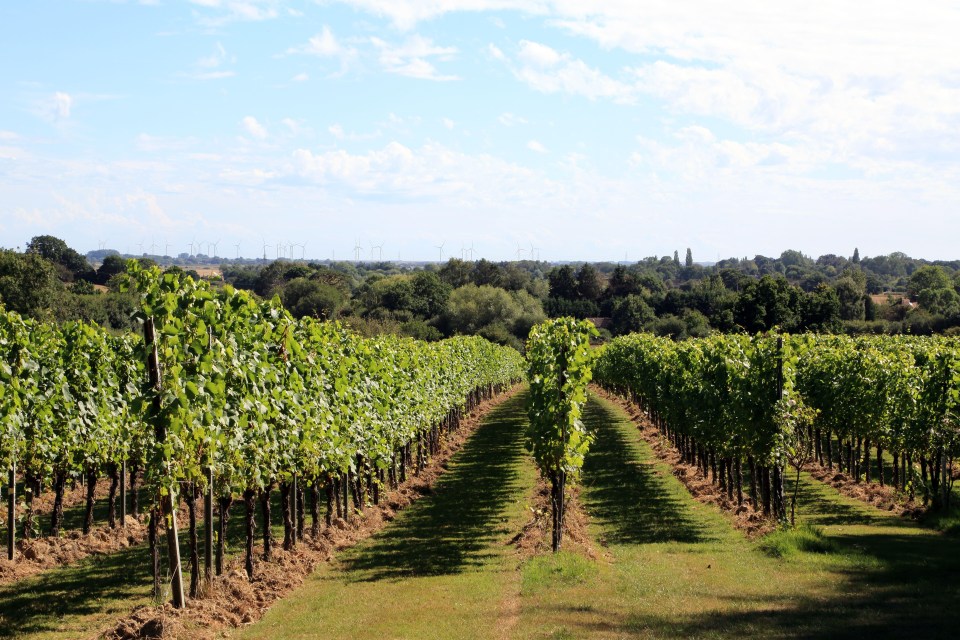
[502,300]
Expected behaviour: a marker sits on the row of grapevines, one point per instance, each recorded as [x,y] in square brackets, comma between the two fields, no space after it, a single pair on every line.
[776,399]
[64,395]
[226,396]
[723,400]
[559,357]
[896,394]
[245,398]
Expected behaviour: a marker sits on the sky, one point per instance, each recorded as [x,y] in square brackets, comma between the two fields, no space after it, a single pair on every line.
[557,129]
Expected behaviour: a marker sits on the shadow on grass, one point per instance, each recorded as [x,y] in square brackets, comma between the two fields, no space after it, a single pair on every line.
[818,503]
[40,603]
[912,592]
[632,502]
[449,531]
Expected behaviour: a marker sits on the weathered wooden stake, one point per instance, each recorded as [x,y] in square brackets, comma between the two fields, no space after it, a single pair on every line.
[167,504]
[12,511]
[208,523]
[123,494]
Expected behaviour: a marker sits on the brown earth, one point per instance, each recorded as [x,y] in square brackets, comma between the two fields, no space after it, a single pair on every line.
[885,497]
[535,537]
[231,600]
[43,553]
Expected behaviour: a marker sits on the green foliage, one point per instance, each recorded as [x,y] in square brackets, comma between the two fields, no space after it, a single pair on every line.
[312,298]
[70,264]
[112,265]
[563,283]
[28,284]
[430,294]
[630,314]
[589,286]
[500,315]
[559,359]
[926,278]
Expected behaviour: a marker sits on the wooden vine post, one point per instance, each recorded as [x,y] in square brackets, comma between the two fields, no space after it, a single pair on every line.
[166,497]
[780,507]
[123,494]
[208,522]
[12,510]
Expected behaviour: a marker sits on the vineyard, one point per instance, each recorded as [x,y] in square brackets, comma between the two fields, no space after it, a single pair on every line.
[768,402]
[224,397]
[227,403]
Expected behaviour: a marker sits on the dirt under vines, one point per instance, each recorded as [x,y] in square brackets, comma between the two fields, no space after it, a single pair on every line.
[883,497]
[231,600]
[43,552]
[536,536]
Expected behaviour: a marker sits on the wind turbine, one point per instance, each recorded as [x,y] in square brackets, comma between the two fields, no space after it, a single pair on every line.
[166,249]
[520,251]
[265,245]
[238,250]
[356,251]
[441,250]
[214,245]
[140,244]
[470,251]
[379,248]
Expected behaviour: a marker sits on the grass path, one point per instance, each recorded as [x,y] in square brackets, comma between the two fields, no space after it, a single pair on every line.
[443,569]
[674,568]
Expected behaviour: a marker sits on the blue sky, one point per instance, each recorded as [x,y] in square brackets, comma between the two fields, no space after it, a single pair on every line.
[586,130]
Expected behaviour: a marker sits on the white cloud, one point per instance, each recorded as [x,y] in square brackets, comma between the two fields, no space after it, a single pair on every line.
[448,123]
[151,143]
[218,57]
[510,120]
[62,103]
[495,53]
[338,133]
[405,14]
[8,135]
[10,153]
[212,75]
[300,77]
[324,45]
[549,71]
[210,67]
[536,146]
[411,57]
[866,78]
[220,12]
[294,126]
[430,172]
[254,128]
[539,55]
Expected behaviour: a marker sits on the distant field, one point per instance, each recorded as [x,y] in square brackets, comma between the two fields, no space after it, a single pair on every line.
[205,271]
